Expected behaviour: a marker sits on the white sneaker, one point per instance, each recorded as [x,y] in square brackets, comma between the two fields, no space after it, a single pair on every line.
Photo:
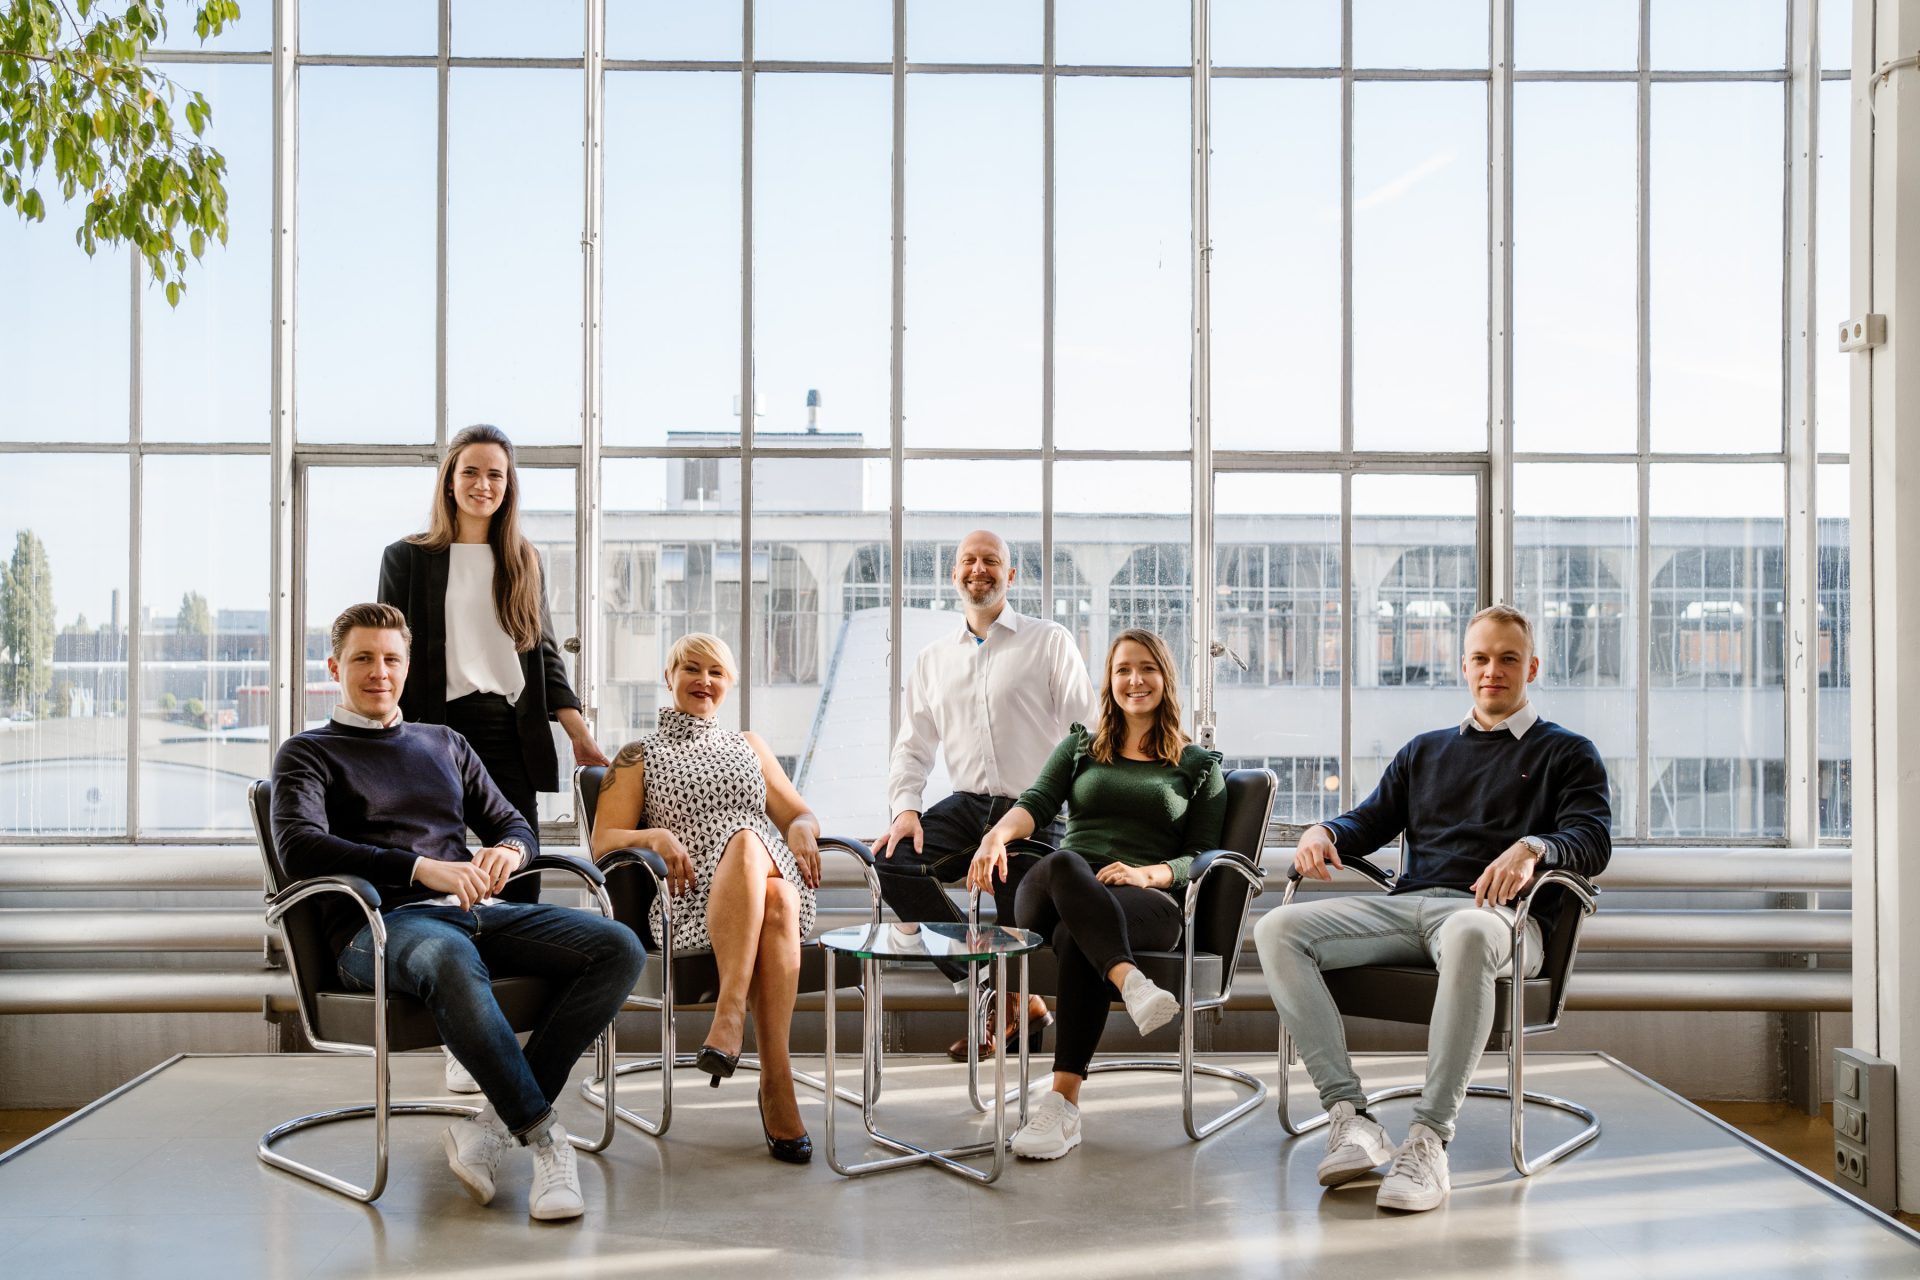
[1150,1005]
[556,1177]
[1418,1179]
[459,1079]
[1355,1146]
[1052,1129]
[474,1147]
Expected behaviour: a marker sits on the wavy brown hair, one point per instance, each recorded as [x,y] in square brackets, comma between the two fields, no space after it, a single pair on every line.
[516,569]
[1165,740]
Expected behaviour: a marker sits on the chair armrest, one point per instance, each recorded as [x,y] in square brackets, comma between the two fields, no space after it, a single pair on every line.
[1379,875]
[1028,845]
[355,887]
[561,862]
[1583,890]
[869,871]
[653,862]
[1206,862]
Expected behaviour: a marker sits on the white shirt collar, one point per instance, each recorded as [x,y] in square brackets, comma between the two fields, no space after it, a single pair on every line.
[354,720]
[1008,619]
[1516,724]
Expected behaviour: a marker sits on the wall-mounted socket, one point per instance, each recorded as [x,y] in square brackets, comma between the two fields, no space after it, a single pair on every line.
[1863,1128]
[1863,332]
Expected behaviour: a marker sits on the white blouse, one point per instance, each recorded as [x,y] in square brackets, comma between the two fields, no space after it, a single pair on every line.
[480,654]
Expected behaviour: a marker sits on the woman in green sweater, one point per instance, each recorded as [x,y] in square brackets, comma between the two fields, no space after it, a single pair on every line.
[1144,801]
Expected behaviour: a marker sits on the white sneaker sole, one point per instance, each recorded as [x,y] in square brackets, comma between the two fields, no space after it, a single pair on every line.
[1416,1202]
[1053,1153]
[482,1192]
[1157,1014]
[556,1212]
[1344,1171]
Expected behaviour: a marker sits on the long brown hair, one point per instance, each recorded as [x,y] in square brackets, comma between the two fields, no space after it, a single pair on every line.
[516,569]
[1165,740]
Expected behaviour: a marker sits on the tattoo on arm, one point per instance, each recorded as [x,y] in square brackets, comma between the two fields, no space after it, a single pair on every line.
[630,755]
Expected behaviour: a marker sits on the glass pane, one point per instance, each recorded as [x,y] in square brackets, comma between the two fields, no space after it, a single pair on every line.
[1258,33]
[1420,266]
[1717,636]
[823,30]
[513,252]
[1833,653]
[1574,551]
[669,565]
[1575,245]
[368,27]
[1416,581]
[205,671]
[820,655]
[1125,527]
[1276,264]
[1118,33]
[1122,353]
[64,617]
[978,31]
[548,498]
[1833,269]
[514,29]
[65,347]
[1717,246]
[1836,35]
[670,360]
[352,513]
[822,227]
[1595,35]
[364,337]
[251,32]
[1420,33]
[973,270]
[674,29]
[207,365]
[1277,609]
[1718,35]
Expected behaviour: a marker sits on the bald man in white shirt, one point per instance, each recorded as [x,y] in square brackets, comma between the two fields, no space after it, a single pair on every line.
[995,696]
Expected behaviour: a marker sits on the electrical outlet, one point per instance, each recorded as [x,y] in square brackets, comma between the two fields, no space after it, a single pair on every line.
[1863,1126]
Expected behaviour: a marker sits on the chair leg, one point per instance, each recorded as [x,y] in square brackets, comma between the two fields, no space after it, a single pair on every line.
[604,1058]
[599,1090]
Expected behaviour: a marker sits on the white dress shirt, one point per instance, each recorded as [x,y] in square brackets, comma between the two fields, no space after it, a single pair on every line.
[1516,724]
[480,654]
[996,706]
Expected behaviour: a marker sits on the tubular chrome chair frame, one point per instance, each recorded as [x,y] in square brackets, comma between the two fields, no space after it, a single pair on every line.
[1214,862]
[367,898]
[665,1003]
[1580,903]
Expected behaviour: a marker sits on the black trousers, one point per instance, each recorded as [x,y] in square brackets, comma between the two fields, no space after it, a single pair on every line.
[1093,927]
[487,722]
[910,881]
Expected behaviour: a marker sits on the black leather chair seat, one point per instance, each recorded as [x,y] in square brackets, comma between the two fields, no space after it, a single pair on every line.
[1405,993]
[348,1015]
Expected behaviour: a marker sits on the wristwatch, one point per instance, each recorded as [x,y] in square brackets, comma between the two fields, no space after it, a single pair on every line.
[1535,843]
[517,847]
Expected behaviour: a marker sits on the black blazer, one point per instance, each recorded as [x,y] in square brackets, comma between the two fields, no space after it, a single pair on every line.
[414,580]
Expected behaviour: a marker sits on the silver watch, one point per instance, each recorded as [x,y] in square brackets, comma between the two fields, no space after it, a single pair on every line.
[1535,843]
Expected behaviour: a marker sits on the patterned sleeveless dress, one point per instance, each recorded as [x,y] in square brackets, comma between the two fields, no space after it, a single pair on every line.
[703,783]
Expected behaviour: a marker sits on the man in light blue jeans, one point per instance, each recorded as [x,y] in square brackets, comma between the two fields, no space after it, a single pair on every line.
[1479,807]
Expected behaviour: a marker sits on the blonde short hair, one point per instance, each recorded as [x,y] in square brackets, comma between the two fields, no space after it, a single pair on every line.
[1508,614]
[705,647]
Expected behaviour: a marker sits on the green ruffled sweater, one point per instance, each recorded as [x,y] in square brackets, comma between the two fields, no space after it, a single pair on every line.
[1137,812]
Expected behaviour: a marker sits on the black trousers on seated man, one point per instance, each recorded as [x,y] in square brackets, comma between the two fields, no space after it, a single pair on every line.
[910,880]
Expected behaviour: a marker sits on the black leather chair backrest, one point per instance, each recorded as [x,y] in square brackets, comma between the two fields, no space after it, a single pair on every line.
[1218,918]
[313,964]
[1559,914]
[630,889]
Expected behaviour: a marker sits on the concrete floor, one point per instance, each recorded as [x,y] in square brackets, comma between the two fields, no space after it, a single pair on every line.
[161,1180]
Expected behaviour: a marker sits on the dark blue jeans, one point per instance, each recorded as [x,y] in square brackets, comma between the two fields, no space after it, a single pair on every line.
[448,958]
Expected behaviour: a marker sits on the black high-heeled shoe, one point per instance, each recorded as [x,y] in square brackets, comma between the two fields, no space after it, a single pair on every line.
[792,1150]
[716,1064]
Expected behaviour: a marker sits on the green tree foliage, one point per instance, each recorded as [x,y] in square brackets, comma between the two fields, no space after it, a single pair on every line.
[195,618]
[26,622]
[73,87]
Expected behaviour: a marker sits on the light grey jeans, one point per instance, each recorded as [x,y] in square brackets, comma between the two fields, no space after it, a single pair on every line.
[1470,946]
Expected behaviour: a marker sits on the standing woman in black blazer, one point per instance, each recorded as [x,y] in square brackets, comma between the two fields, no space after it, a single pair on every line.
[484,658]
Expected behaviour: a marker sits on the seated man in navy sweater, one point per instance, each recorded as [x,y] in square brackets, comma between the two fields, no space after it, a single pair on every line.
[1479,807]
[370,796]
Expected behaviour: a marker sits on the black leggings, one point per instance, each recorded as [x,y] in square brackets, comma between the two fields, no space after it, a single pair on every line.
[1093,927]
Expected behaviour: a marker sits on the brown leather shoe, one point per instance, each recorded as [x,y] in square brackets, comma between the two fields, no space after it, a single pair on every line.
[1038,1020]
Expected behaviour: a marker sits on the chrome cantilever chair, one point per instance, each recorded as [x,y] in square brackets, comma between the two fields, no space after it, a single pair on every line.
[1221,887]
[339,1020]
[1562,900]
[687,979]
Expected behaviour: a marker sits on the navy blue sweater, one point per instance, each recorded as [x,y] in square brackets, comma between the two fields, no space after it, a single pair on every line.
[367,802]
[1462,798]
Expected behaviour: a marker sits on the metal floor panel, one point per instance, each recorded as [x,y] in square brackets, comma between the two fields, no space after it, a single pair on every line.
[160,1179]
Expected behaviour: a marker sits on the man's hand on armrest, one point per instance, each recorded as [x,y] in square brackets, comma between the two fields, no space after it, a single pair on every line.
[498,862]
[1315,852]
[467,881]
[1506,875]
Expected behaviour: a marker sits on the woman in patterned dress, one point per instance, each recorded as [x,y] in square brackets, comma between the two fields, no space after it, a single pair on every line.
[743,860]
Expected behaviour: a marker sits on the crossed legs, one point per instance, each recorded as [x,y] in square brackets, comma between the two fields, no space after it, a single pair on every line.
[753,919]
